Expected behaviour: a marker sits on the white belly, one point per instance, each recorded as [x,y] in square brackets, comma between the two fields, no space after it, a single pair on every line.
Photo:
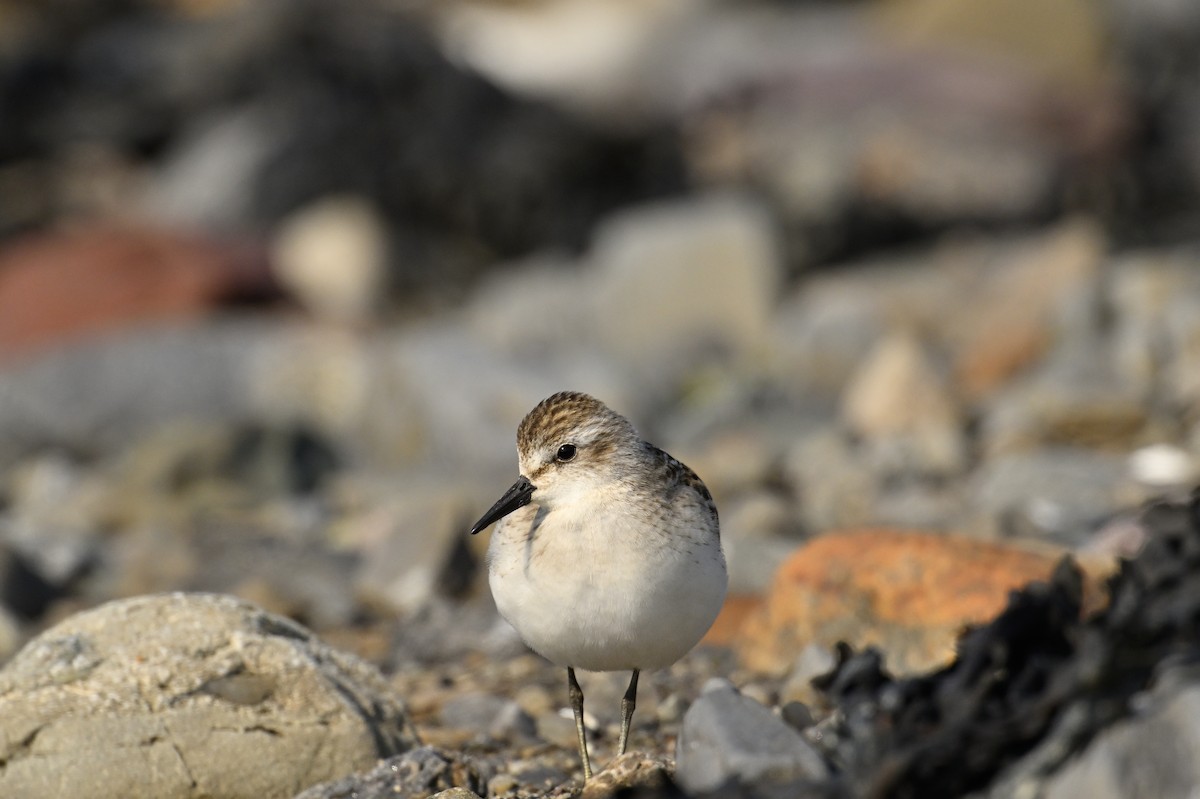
[606,593]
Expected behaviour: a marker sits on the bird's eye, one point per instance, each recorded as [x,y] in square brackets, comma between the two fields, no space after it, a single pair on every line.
[566,453]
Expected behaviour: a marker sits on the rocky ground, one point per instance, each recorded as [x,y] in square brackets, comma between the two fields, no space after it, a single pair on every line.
[914,291]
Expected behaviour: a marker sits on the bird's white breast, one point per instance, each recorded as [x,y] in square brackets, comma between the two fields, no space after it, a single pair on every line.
[605,586]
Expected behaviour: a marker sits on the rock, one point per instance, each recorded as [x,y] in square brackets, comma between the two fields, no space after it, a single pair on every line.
[539,775]
[10,634]
[911,502]
[409,536]
[188,695]
[55,507]
[206,179]
[1150,754]
[834,483]
[226,134]
[1032,689]
[900,406]
[677,282]
[579,53]
[332,256]
[728,625]
[733,460]
[1056,493]
[133,276]
[908,592]
[413,775]
[755,536]
[787,114]
[509,306]
[450,629]
[813,661]
[1018,299]
[101,393]
[727,738]
[24,592]
[1077,59]
[632,771]
[1075,400]
[308,581]
[1163,466]
[1175,338]
[484,713]
[1144,291]
[825,330]
[465,398]
[455,793]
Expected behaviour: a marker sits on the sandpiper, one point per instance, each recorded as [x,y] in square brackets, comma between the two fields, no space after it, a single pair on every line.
[609,554]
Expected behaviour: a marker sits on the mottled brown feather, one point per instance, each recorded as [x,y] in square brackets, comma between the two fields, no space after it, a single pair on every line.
[552,420]
[676,472]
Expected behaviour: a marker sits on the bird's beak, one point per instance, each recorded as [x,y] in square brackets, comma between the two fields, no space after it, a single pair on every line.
[514,498]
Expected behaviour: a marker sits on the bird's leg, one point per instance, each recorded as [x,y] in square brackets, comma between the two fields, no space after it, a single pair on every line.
[627,705]
[576,694]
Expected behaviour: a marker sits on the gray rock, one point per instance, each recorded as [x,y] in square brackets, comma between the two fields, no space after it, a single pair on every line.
[728,738]
[683,281]
[455,793]
[485,713]
[1150,755]
[188,695]
[1149,293]
[813,661]
[207,179]
[407,532]
[510,306]
[823,331]
[52,517]
[753,535]
[98,394]
[1058,493]
[413,775]
[10,634]
[835,485]
[1076,398]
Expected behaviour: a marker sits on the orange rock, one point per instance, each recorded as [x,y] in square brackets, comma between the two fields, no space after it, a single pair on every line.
[62,284]
[908,592]
[732,617]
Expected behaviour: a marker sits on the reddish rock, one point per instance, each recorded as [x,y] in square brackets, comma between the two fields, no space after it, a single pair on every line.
[65,284]
[908,592]
[1016,308]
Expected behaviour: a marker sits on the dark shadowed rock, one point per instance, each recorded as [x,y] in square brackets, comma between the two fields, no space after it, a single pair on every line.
[412,775]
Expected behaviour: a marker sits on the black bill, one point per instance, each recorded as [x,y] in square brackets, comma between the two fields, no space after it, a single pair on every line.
[515,497]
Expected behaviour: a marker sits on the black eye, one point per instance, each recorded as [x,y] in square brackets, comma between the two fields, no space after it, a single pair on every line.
[566,453]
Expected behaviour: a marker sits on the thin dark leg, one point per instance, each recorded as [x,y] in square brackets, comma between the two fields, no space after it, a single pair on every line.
[576,694]
[627,706]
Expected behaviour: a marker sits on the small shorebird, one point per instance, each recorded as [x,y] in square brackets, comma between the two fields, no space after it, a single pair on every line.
[609,554]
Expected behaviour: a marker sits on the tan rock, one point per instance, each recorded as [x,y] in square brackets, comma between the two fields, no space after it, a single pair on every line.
[188,695]
[332,255]
[630,771]
[899,404]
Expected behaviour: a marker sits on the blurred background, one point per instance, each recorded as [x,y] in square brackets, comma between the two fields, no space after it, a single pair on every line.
[278,280]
